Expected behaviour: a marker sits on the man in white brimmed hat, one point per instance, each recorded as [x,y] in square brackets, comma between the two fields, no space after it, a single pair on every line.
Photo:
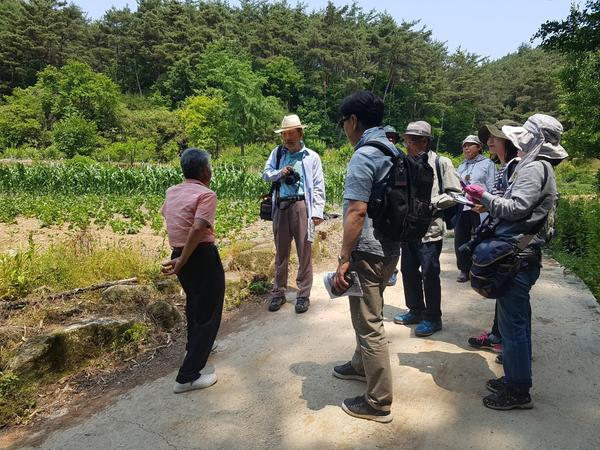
[298,203]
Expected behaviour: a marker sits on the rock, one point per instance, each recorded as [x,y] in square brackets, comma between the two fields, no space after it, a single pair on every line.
[259,259]
[128,294]
[68,347]
[170,286]
[164,314]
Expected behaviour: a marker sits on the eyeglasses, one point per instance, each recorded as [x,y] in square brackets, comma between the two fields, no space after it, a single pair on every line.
[342,120]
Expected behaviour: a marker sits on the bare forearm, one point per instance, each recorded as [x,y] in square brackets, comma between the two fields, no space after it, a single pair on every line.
[353,224]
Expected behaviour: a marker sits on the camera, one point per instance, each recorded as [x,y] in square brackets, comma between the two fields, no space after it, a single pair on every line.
[292,176]
[483,232]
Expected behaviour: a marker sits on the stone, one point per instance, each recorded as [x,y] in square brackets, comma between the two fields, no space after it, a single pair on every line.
[169,286]
[164,314]
[68,347]
[127,294]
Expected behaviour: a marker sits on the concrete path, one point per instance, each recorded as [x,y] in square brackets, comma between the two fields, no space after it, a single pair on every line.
[276,391]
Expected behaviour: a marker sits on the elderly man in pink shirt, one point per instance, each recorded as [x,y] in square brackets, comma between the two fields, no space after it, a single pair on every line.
[189,212]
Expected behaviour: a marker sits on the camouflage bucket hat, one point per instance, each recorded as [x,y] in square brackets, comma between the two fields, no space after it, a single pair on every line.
[495,130]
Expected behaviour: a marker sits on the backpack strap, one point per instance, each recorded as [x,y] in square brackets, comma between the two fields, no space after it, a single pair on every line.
[275,185]
[438,170]
[526,239]
[385,149]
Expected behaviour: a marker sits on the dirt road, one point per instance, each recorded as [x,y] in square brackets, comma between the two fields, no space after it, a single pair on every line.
[275,387]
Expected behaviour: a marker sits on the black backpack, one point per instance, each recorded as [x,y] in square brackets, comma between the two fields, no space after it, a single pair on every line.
[400,206]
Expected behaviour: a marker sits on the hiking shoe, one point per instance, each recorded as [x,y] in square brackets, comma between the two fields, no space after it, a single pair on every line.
[276,303]
[393,278]
[347,372]
[506,399]
[302,304]
[428,327]
[358,407]
[408,318]
[499,359]
[495,384]
[463,277]
[201,383]
[483,342]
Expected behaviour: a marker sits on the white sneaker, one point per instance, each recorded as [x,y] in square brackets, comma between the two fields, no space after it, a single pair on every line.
[203,382]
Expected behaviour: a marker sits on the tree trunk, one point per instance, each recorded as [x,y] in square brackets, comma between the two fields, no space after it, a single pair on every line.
[242,149]
[387,86]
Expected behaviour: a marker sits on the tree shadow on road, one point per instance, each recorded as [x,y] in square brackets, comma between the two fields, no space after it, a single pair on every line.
[320,388]
[456,372]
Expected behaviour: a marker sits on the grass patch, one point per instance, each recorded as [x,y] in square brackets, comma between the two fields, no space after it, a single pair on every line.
[77,262]
[577,241]
[17,398]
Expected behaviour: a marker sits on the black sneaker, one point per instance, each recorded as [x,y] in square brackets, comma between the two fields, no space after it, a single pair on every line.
[494,385]
[506,399]
[358,407]
[347,372]
[302,304]
[276,303]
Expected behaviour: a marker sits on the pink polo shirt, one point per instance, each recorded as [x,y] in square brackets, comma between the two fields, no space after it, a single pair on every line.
[184,203]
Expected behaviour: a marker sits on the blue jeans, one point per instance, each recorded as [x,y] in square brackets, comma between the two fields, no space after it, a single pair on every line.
[514,319]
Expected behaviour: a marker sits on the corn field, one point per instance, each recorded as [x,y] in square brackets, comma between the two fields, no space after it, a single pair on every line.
[129,198]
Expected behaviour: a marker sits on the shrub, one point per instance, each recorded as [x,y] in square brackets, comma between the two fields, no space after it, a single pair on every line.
[22,120]
[130,151]
[75,135]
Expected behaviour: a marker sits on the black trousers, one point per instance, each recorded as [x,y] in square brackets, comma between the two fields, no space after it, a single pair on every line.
[465,226]
[425,256]
[203,281]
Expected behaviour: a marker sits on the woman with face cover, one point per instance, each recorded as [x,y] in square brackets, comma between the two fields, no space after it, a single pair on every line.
[529,199]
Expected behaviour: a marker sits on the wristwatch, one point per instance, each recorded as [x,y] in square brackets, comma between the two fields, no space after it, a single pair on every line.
[342,259]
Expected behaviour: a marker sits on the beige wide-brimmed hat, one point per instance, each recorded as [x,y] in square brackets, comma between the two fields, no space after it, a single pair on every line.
[290,122]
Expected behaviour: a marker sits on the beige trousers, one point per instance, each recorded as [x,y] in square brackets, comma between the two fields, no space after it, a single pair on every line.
[371,356]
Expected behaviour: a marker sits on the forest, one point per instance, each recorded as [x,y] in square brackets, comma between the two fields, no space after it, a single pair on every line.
[139,85]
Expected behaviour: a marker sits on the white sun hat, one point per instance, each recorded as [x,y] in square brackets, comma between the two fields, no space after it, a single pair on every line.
[290,122]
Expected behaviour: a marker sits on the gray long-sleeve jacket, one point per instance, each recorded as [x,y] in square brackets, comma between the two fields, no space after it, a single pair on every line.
[525,204]
[450,183]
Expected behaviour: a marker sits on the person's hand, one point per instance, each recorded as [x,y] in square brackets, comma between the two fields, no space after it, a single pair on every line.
[317,221]
[338,281]
[286,170]
[171,267]
[474,191]
[479,208]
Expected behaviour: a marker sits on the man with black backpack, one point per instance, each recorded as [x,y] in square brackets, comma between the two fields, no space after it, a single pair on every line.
[371,255]
[420,265]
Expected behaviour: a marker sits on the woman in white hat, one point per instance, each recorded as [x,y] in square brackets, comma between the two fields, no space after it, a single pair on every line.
[475,169]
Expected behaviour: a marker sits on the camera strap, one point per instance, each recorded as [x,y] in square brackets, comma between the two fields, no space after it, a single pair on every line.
[275,185]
